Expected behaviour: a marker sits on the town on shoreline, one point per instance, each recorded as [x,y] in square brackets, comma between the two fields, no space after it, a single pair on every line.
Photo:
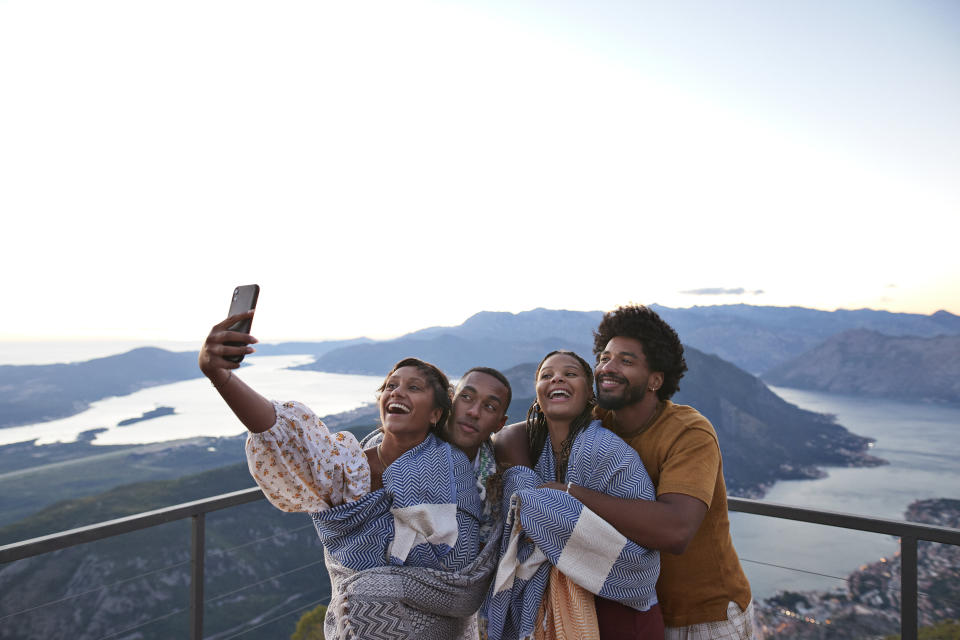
[869,605]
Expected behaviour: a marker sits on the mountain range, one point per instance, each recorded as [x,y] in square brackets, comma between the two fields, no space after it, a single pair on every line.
[865,362]
[755,339]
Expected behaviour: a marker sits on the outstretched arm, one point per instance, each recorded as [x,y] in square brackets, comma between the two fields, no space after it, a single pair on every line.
[254,411]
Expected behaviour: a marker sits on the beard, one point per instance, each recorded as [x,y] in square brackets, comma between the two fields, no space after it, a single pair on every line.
[631,395]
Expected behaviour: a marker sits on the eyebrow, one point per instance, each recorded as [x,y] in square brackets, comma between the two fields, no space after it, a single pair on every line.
[620,353]
[395,377]
[473,390]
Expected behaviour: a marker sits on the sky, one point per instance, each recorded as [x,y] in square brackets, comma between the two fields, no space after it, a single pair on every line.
[379,167]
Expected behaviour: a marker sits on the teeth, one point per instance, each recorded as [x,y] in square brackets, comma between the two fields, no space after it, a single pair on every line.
[399,407]
[559,392]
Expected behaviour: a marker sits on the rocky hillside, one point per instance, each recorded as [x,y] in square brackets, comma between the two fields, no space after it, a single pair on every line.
[863,362]
[263,569]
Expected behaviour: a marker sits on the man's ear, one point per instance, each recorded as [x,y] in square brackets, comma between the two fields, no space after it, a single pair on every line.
[502,422]
[656,380]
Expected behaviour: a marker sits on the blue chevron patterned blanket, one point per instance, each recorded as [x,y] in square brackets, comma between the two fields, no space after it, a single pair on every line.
[404,561]
[426,515]
[406,603]
[558,530]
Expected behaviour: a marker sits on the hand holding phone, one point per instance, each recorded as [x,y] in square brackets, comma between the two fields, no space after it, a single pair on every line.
[244,299]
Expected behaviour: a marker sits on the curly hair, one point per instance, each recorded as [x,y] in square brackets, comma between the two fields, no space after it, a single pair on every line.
[438,382]
[537,422]
[661,344]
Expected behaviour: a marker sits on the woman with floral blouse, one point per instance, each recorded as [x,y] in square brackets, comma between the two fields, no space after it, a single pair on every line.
[397,514]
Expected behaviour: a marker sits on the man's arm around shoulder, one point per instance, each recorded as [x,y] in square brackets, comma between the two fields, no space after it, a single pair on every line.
[667,524]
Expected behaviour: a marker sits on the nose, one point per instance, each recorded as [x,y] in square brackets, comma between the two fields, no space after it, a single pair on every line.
[473,410]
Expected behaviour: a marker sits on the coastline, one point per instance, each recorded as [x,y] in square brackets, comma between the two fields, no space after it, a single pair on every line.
[869,605]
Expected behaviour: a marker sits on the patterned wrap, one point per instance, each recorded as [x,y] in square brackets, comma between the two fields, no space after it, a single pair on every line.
[560,531]
[425,518]
[395,603]
[427,514]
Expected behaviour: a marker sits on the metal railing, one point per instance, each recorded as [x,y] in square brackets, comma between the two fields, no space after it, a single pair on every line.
[908,532]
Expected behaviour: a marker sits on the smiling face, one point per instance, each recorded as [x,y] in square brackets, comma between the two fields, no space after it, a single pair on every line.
[407,404]
[623,377]
[479,409]
[563,387]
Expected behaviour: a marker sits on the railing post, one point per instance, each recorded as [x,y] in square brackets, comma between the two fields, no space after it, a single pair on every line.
[196,577]
[908,588]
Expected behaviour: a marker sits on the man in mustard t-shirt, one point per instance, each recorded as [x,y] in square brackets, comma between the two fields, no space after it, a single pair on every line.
[702,588]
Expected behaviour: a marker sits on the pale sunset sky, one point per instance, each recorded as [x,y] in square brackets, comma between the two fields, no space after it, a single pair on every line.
[380,167]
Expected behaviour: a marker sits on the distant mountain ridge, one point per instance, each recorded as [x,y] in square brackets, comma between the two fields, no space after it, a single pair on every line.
[759,338]
[865,362]
[34,393]
[754,338]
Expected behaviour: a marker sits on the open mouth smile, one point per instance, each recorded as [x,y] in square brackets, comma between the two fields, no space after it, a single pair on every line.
[397,408]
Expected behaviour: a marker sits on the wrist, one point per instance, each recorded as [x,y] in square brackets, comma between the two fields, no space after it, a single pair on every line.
[219,380]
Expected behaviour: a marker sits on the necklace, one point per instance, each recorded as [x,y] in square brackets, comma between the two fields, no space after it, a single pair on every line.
[380,457]
[647,423]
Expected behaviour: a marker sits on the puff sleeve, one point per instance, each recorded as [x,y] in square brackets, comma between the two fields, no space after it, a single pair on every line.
[301,466]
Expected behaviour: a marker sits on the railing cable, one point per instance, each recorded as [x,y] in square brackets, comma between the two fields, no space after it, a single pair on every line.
[280,617]
[144,624]
[94,590]
[780,566]
[51,603]
[259,582]
[258,540]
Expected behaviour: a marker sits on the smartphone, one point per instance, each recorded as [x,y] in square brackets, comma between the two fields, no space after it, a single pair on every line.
[244,299]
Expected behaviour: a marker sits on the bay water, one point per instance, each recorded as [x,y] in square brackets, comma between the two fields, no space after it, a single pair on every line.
[199,411]
[920,441]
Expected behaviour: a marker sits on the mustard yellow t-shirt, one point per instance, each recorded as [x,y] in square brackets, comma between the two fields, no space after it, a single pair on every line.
[682,455]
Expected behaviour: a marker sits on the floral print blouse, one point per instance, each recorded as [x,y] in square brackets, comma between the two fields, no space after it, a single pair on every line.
[301,466]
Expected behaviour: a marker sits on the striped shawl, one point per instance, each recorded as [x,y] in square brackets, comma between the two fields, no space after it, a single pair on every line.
[558,530]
